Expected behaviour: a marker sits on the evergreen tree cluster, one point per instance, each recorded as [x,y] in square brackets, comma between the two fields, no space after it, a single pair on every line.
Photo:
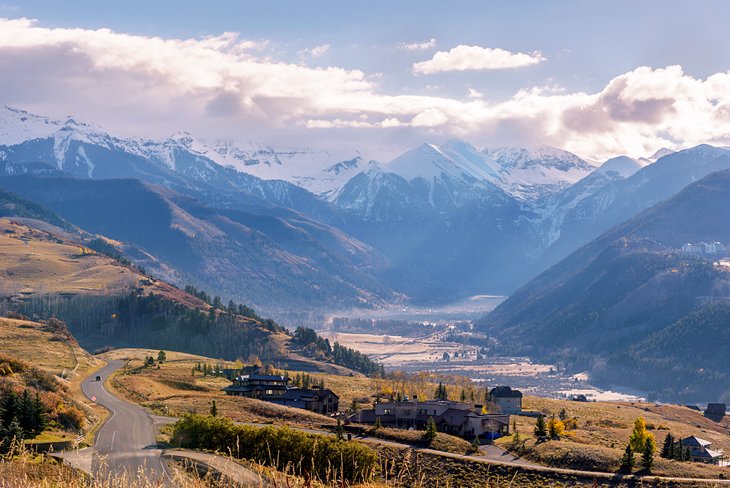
[234,309]
[672,449]
[21,417]
[209,369]
[304,380]
[315,346]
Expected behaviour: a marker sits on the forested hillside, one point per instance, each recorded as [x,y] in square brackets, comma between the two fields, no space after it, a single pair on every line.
[631,306]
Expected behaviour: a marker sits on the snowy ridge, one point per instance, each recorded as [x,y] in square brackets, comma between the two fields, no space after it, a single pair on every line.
[321,172]
[525,173]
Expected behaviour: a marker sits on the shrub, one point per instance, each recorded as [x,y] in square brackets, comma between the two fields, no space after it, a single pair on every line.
[323,457]
[68,417]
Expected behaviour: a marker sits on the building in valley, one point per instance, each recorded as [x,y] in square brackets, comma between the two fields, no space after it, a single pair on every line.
[451,417]
[506,399]
[276,389]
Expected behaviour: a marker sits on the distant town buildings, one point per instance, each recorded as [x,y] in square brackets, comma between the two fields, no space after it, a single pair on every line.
[704,248]
[506,399]
[451,417]
[276,389]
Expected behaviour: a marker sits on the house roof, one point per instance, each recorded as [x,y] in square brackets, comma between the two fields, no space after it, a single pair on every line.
[262,377]
[707,454]
[693,441]
[505,392]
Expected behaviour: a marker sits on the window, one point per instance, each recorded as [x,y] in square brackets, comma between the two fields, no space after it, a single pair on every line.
[387,411]
[269,392]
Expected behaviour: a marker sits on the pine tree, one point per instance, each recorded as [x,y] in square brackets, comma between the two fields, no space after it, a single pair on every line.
[540,427]
[668,447]
[431,430]
[354,406]
[161,357]
[647,458]
[214,410]
[687,456]
[441,393]
[563,414]
[627,461]
[340,430]
[40,416]
[8,406]
[462,397]
[378,423]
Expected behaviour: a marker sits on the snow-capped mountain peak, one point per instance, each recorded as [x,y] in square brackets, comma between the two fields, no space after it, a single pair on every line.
[526,173]
[624,166]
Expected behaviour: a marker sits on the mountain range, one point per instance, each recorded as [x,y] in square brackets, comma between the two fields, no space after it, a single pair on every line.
[314,230]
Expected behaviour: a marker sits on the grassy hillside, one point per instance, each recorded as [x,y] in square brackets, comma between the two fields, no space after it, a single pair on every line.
[602,431]
[35,262]
[46,360]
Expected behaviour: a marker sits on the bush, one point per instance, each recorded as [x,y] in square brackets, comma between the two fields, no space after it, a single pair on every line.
[323,457]
[68,417]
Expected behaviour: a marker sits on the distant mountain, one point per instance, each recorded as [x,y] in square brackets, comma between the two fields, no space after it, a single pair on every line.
[524,173]
[627,304]
[533,173]
[86,151]
[276,263]
[12,205]
[320,172]
[573,222]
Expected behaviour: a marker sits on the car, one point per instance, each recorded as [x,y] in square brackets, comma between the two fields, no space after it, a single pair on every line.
[98,378]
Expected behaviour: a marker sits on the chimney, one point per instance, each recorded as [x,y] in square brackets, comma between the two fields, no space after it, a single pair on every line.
[415,398]
[478,409]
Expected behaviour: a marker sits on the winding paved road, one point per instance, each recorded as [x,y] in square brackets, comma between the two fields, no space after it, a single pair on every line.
[125,444]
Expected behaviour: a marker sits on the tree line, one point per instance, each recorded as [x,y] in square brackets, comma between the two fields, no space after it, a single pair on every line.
[313,345]
[22,416]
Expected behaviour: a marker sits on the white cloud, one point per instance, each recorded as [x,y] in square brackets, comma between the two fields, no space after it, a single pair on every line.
[225,87]
[473,58]
[316,51]
[475,93]
[418,46]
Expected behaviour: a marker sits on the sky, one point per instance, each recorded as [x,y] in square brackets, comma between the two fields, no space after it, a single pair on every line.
[596,78]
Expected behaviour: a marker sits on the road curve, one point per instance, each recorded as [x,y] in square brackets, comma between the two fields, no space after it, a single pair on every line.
[125,444]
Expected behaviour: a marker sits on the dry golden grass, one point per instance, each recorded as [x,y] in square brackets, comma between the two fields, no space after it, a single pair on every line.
[36,344]
[173,390]
[35,262]
[604,429]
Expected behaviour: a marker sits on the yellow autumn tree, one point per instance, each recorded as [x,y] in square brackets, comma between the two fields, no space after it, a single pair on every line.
[639,435]
[555,428]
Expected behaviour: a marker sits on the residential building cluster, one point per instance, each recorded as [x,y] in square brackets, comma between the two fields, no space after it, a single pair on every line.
[276,389]
[704,248]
